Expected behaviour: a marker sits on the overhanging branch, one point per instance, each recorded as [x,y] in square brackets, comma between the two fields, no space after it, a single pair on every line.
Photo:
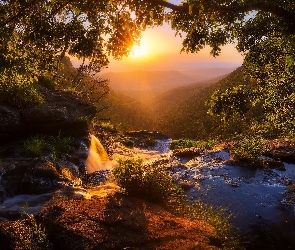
[254,6]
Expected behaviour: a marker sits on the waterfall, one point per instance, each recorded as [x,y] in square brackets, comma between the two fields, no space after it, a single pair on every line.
[98,158]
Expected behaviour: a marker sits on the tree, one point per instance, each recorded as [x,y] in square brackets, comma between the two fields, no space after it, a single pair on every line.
[37,34]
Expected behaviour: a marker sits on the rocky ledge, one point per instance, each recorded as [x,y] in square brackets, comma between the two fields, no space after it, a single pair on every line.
[104,218]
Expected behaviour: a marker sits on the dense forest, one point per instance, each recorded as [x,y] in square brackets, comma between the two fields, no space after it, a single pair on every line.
[184,112]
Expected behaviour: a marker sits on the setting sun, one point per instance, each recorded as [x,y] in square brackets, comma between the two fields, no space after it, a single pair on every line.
[139,50]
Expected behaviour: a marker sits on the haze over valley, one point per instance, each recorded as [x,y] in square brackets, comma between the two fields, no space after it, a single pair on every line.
[145,86]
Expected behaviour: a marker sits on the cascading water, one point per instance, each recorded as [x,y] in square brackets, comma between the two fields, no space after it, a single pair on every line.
[98,158]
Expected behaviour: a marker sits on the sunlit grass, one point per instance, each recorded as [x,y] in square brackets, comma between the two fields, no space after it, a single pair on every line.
[187,143]
[55,145]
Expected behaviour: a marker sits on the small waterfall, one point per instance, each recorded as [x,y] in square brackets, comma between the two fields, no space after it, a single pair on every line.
[98,158]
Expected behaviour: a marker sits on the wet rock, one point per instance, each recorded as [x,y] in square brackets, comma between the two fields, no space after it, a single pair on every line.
[14,174]
[38,176]
[283,150]
[185,184]
[120,222]
[147,134]
[273,164]
[97,178]
[290,195]
[45,169]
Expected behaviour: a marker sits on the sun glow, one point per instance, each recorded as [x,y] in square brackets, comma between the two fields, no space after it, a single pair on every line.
[139,50]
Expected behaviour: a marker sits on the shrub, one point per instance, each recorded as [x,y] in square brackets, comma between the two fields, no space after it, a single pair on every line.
[47,82]
[109,127]
[126,141]
[19,94]
[153,183]
[186,143]
[150,182]
[150,142]
[35,146]
[249,149]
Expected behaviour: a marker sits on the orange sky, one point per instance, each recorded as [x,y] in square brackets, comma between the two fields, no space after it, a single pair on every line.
[162,52]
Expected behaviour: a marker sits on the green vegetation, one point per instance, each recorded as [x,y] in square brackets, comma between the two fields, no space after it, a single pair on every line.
[19,94]
[126,112]
[36,36]
[186,143]
[249,150]
[109,127]
[126,141]
[149,142]
[55,145]
[153,183]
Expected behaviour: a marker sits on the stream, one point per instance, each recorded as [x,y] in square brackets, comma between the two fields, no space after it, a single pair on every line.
[254,198]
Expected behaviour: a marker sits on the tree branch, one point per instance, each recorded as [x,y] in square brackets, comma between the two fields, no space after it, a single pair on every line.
[166,4]
[258,5]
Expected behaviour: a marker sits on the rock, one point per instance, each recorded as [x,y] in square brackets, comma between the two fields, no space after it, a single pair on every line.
[36,176]
[273,164]
[23,234]
[185,184]
[147,134]
[290,195]
[10,123]
[61,112]
[120,222]
[283,150]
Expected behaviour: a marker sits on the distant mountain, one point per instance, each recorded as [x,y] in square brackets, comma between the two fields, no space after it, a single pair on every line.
[182,113]
[146,80]
[147,85]
[179,112]
[204,74]
[127,113]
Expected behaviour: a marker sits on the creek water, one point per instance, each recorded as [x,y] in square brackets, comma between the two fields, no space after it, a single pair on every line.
[255,198]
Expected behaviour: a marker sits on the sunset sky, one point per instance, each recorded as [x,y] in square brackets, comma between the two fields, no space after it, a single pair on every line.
[160,50]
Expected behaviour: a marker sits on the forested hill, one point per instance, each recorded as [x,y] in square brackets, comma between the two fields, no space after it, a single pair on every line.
[179,112]
[187,117]
[147,85]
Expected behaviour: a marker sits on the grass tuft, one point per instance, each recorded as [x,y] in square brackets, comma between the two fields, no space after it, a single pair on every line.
[55,145]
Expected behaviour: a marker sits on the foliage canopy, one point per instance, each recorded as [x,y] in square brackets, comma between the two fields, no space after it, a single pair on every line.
[36,35]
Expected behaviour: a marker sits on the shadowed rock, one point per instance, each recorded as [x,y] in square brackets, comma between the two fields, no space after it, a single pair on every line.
[61,112]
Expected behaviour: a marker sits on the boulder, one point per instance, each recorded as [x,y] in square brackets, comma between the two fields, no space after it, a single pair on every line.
[282,150]
[28,176]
